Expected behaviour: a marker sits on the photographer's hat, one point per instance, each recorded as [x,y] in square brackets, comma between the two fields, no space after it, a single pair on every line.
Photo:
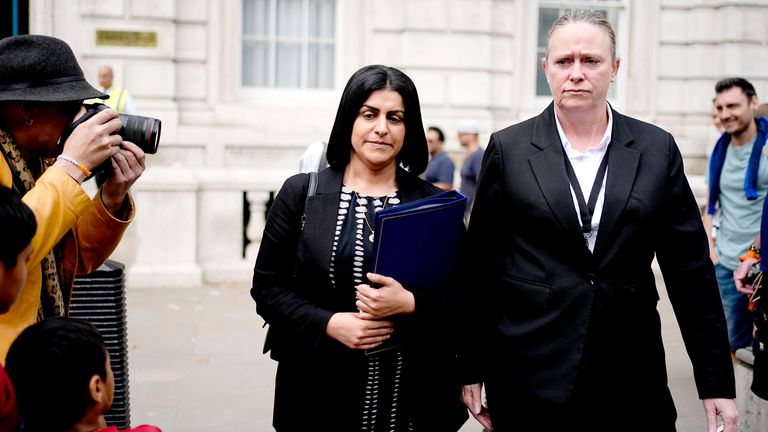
[41,68]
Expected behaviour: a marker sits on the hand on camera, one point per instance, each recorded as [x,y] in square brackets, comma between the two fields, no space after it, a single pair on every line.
[95,140]
[127,166]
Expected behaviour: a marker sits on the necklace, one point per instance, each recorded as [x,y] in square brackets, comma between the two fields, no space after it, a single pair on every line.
[365,213]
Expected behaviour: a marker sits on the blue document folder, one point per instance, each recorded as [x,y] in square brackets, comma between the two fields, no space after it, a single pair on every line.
[417,243]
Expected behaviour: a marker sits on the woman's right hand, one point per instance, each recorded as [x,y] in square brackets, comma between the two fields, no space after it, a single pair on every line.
[356,332]
[95,140]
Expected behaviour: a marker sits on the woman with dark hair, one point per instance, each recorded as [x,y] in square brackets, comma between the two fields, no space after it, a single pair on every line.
[311,281]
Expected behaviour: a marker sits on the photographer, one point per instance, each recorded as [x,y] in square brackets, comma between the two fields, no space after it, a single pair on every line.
[42,89]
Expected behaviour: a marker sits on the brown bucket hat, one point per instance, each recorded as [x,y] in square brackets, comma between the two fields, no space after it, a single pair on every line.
[41,68]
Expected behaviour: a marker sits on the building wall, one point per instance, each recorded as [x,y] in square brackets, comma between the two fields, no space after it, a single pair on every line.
[224,148]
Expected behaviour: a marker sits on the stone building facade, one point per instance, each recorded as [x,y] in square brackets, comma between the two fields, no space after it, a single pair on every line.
[243,86]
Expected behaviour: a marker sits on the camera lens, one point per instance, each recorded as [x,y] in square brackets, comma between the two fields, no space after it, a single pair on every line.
[142,131]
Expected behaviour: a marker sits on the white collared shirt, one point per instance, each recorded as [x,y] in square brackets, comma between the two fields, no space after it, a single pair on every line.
[585,166]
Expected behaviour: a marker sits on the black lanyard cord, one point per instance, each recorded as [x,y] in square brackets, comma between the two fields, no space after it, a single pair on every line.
[586,209]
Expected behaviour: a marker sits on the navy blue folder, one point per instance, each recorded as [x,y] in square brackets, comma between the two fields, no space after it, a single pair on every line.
[417,242]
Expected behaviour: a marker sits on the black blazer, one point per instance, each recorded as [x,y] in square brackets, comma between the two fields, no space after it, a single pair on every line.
[545,306]
[293,293]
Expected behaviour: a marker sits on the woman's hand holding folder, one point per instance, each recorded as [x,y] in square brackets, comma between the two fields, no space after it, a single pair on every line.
[387,299]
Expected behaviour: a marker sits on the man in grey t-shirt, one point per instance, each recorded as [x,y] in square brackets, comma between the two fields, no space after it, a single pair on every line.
[738,177]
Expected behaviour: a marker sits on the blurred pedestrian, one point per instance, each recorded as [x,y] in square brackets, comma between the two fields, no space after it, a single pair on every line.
[738,181]
[571,208]
[440,169]
[119,98]
[469,131]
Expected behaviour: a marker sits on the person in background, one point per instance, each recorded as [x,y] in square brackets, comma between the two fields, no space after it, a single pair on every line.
[63,378]
[571,209]
[738,181]
[312,282]
[42,89]
[120,98]
[716,122]
[753,267]
[440,168]
[762,110]
[18,226]
[313,159]
[468,131]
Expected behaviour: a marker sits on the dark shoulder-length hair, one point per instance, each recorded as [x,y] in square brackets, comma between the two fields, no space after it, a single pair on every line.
[414,154]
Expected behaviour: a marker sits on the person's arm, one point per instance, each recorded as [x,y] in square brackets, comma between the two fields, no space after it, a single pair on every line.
[481,264]
[748,260]
[707,220]
[276,299]
[689,277]
[57,199]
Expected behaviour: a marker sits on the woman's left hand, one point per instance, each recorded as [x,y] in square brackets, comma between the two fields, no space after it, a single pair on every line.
[127,166]
[387,300]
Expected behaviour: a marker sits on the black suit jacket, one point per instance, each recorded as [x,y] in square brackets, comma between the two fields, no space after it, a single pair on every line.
[318,377]
[551,317]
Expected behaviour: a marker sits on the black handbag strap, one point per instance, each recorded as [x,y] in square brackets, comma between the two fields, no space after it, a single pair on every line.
[311,190]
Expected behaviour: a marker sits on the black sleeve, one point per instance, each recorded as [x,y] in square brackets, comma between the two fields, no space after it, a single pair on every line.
[481,265]
[298,320]
[682,253]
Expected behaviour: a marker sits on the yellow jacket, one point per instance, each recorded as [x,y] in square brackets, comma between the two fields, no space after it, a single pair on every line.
[65,213]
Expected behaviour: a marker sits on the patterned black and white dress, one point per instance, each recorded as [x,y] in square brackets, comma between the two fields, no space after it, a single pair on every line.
[382,406]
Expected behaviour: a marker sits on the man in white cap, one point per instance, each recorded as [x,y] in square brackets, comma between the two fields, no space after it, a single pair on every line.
[468,131]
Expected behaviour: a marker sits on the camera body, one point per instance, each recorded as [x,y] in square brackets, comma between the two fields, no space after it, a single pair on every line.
[142,131]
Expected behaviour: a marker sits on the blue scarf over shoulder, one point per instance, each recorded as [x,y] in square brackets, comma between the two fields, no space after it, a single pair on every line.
[718,160]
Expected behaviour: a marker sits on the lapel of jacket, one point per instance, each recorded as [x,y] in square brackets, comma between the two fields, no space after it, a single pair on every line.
[623,162]
[320,214]
[549,170]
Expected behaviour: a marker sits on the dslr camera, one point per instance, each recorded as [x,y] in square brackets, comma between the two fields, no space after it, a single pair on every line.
[142,131]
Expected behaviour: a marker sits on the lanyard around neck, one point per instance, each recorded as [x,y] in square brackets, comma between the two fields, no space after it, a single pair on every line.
[586,209]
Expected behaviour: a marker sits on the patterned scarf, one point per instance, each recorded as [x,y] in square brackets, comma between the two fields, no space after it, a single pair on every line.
[51,298]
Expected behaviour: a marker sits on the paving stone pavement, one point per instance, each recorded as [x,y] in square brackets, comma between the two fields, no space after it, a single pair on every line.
[195,362]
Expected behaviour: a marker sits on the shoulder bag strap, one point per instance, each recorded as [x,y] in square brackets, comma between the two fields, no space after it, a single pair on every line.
[310,193]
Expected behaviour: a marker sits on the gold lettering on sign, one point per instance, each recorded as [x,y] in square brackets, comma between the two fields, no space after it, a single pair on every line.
[126,38]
